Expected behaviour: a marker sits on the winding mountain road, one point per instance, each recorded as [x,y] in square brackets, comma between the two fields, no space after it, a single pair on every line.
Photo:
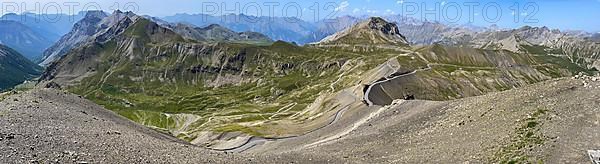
[254,141]
[378,83]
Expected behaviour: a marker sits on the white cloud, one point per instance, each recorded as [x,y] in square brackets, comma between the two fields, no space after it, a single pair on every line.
[355,10]
[388,11]
[373,11]
[342,6]
[402,1]
[443,3]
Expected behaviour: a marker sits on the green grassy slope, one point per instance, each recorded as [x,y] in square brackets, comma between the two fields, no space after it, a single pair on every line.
[14,68]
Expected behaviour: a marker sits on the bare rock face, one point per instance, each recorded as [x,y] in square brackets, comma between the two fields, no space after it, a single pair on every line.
[96,26]
[216,33]
[372,31]
[82,31]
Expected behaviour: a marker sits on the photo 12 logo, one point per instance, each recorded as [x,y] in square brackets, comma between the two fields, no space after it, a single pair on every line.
[455,12]
[289,10]
[54,11]
[293,12]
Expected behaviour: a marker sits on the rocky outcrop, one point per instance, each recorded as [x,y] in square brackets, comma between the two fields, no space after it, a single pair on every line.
[217,33]
[81,32]
[95,27]
[372,31]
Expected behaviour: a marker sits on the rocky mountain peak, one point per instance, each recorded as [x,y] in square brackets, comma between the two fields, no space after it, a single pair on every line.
[213,26]
[534,29]
[377,23]
[374,30]
[95,14]
[117,12]
[95,26]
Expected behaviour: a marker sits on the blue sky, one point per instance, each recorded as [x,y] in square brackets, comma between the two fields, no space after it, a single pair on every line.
[562,14]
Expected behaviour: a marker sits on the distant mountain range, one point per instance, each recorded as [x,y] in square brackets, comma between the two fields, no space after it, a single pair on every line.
[36,34]
[594,37]
[31,34]
[217,33]
[303,32]
[23,39]
[277,28]
[51,26]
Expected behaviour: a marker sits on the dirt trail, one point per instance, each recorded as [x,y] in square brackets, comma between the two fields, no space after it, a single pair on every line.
[348,130]
[252,142]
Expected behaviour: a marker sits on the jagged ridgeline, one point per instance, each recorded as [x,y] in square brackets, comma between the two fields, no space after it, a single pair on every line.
[195,88]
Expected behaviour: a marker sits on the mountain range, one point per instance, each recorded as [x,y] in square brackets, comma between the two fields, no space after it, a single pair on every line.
[277,28]
[201,90]
[418,32]
[282,85]
[31,34]
[51,26]
[217,33]
[23,39]
[96,26]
